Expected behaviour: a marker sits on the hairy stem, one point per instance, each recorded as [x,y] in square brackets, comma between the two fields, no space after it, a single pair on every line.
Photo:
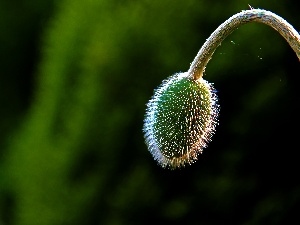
[253,15]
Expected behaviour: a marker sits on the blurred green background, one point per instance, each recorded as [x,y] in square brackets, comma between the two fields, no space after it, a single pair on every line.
[74,79]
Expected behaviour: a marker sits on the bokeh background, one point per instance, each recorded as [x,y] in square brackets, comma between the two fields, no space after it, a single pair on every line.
[74,79]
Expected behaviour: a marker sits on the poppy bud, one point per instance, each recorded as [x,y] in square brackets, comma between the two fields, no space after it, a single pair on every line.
[180,120]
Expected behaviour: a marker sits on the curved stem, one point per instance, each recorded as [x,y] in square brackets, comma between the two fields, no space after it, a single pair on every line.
[253,15]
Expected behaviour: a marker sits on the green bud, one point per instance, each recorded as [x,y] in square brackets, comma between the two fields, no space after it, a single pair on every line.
[180,120]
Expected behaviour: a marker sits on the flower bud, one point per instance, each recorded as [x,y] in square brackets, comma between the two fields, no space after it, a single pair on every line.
[180,120]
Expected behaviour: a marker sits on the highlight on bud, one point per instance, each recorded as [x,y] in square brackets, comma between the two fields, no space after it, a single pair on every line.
[180,120]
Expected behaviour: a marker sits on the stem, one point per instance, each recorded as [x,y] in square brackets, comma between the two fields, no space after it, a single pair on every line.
[253,15]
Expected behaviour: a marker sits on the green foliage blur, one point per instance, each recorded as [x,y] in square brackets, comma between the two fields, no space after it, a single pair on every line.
[74,79]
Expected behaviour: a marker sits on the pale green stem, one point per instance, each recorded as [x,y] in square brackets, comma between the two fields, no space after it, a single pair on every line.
[253,15]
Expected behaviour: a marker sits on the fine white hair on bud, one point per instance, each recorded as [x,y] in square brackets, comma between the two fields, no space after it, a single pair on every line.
[180,120]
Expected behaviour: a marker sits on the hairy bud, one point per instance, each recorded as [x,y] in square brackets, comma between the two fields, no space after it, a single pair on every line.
[180,120]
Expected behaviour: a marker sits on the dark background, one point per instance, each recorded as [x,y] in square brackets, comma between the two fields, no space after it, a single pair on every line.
[74,79]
